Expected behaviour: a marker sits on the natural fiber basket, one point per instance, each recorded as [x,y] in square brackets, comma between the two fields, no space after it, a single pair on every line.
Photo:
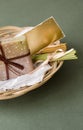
[9,94]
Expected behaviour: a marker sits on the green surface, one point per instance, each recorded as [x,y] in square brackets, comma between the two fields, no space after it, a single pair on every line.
[57,105]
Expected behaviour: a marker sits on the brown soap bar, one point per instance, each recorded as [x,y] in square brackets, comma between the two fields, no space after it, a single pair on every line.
[15,58]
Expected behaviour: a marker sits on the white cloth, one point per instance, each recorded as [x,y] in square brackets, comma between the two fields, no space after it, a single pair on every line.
[25,80]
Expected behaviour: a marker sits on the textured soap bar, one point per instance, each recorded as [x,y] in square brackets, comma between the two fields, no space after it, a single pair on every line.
[15,58]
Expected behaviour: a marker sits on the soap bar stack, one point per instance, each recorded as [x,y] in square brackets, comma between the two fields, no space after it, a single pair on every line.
[15,52]
[14,58]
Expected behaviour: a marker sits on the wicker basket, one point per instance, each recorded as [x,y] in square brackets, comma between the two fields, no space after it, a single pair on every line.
[9,94]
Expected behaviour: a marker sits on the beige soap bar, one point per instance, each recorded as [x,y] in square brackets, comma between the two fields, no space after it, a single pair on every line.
[43,34]
[15,58]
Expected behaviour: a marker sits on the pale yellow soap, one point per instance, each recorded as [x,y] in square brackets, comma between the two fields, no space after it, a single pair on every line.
[44,34]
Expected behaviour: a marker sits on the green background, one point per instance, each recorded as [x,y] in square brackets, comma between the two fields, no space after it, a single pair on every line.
[57,105]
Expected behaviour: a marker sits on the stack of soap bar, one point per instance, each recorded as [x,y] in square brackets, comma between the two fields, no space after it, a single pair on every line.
[15,58]
[15,52]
